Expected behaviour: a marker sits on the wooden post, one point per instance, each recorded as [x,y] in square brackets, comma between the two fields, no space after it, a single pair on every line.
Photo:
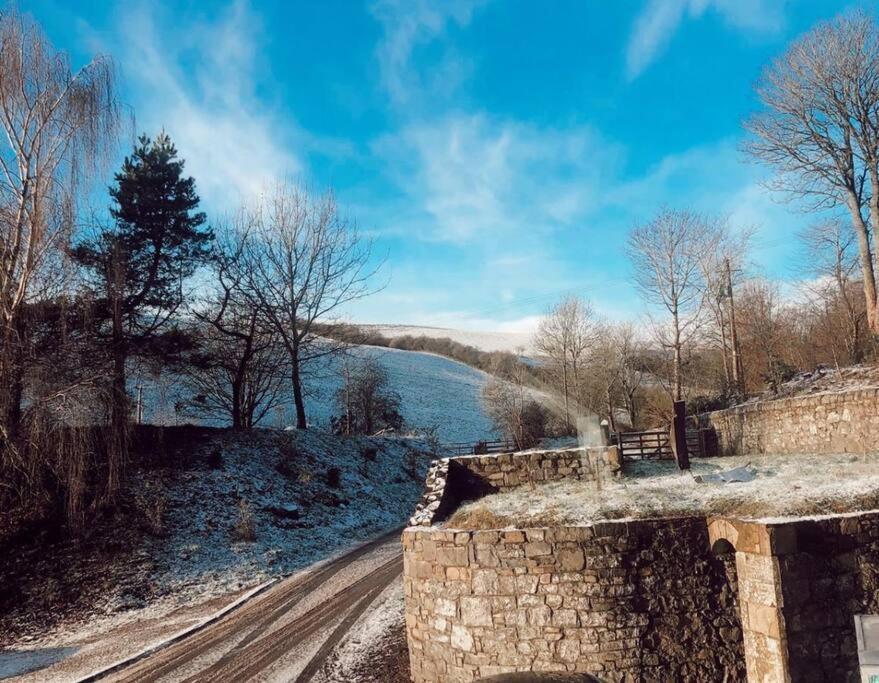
[679,435]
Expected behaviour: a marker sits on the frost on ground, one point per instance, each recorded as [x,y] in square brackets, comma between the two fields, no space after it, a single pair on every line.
[371,651]
[279,484]
[782,485]
[435,392]
[824,380]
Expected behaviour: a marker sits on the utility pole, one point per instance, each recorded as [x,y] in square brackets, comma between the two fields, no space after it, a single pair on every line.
[733,333]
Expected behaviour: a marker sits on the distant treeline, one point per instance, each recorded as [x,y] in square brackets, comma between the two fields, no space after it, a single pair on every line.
[501,363]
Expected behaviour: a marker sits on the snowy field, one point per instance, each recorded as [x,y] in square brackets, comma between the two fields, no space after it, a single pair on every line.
[484,341]
[779,486]
[435,392]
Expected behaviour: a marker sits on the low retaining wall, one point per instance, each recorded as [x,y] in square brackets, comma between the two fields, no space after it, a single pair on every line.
[451,481]
[644,600]
[844,422]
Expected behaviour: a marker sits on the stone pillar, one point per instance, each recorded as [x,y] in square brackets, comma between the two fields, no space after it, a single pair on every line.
[760,596]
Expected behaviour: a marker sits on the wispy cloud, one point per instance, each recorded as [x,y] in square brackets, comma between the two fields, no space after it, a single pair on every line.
[198,79]
[660,19]
[408,24]
[476,178]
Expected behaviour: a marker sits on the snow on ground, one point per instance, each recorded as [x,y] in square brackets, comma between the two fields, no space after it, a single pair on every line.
[299,517]
[513,342]
[368,634]
[435,392]
[783,485]
[824,380]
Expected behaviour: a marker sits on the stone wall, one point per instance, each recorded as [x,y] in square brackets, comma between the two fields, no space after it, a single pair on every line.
[845,422]
[801,583]
[451,481]
[643,600]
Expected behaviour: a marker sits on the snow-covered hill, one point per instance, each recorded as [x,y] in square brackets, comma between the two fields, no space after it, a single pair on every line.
[436,392]
[514,342]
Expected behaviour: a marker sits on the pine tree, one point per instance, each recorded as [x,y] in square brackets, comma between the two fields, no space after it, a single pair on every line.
[138,265]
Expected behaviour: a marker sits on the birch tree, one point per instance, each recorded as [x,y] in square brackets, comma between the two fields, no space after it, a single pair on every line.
[57,123]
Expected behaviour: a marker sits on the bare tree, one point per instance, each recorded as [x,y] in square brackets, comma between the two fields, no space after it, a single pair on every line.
[723,261]
[57,123]
[667,254]
[819,129]
[302,261]
[513,409]
[241,367]
[563,336]
[767,327]
[828,257]
[366,399]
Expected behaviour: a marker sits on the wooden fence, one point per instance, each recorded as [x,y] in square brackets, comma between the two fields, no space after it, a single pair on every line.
[653,445]
[656,445]
[478,447]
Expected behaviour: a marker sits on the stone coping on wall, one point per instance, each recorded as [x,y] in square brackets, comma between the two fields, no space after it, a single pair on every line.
[844,421]
[818,398]
[451,481]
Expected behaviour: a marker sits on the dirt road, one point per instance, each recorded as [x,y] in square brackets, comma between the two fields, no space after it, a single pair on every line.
[284,634]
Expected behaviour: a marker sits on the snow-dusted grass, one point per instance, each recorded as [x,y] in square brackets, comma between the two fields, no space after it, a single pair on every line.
[279,475]
[783,485]
[513,342]
[435,392]
[298,518]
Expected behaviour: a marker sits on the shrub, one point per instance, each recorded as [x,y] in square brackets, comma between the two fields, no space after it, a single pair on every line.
[215,458]
[365,401]
[369,453]
[152,506]
[334,477]
[244,530]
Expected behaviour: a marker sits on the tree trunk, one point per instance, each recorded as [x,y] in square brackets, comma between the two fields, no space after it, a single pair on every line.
[613,423]
[678,375]
[298,400]
[117,452]
[866,258]
[237,400]
[565,383]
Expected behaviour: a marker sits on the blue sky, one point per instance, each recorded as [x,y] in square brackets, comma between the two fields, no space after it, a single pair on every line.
[498,151]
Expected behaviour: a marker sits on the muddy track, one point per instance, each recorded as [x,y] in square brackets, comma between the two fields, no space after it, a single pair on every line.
[255,637]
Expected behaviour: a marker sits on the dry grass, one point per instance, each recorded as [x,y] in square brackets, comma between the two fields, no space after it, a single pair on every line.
[784,486]
[244,530]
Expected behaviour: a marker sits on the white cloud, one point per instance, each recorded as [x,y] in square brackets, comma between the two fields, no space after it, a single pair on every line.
[660,19]
[407,24]
[478,179]
[231,140]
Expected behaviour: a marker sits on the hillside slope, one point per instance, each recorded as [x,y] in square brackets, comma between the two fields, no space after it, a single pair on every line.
[512,342]
[435,392]
[175,540]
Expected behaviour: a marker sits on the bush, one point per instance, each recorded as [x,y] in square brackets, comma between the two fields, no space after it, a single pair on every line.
[152,506]
[215,458]
[365,401]
[334,477]
[244,530]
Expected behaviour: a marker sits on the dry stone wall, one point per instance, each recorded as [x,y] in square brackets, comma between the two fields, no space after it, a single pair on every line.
[844,422]
[451,481]
[643,600]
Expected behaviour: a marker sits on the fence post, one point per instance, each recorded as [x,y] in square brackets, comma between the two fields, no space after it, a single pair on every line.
[679,435]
